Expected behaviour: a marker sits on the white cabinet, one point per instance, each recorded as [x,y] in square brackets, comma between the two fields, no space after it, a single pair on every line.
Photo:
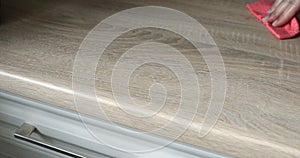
[60,133]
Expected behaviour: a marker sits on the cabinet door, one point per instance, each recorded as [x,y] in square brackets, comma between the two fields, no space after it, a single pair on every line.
[53,132]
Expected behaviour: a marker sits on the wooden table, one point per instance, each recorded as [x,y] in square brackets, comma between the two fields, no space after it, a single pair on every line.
[261,114]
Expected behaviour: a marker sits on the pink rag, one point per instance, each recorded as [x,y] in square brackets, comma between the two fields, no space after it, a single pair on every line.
[259,10]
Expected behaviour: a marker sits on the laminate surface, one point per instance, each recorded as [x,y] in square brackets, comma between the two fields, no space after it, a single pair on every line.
[39,40]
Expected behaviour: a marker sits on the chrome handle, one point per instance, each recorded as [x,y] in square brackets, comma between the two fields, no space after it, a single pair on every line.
[24,132]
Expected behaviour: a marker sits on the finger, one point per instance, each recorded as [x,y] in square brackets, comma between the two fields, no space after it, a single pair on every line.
[277,12]
[274,6]
[286,16]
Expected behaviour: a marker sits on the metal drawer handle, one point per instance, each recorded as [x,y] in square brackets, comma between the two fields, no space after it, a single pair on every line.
[24,132]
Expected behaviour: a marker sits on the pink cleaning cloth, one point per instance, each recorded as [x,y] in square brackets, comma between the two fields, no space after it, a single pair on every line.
[259,10]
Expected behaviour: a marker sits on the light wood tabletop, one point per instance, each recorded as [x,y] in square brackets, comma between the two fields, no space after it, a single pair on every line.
[39,40]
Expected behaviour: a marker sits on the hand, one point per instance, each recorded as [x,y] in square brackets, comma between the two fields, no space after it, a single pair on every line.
[282,12]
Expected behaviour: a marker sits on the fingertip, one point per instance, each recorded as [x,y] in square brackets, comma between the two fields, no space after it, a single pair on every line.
[272,18]
[279,22]
[265,19]
[275,23]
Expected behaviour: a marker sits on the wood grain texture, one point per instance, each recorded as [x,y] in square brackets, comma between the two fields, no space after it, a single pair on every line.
[261,115]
